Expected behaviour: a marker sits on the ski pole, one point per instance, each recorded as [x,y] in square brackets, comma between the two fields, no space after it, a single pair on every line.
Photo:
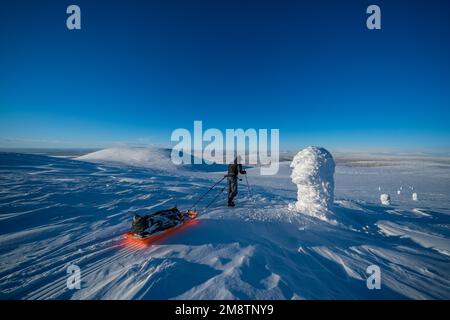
[199,199]
[250,191]
[248,187]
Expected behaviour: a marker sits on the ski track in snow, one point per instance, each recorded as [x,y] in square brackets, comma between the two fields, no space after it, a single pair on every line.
[55,212]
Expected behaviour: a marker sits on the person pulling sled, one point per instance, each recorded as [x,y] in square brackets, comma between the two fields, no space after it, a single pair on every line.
[234,169]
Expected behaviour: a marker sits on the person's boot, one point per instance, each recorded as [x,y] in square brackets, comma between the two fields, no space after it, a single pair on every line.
[230,203]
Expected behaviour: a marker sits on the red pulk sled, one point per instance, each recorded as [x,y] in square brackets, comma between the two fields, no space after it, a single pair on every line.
[148,229]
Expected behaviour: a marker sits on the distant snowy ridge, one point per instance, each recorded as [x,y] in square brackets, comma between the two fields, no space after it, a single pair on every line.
[156,158]
[152,157]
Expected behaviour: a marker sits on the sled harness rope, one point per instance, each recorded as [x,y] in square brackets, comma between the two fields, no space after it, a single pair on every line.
[215,198]
[200,198]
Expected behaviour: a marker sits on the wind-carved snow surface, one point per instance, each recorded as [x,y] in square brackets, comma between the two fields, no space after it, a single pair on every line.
[56,212]
[313,173]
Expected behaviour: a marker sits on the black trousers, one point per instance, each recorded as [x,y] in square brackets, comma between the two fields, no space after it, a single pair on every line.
[232,187]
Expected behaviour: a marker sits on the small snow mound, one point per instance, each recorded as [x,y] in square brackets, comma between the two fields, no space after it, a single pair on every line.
[385,199]
[415,197]
[313,173]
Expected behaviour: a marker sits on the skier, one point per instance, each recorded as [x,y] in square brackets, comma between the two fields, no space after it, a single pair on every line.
[233,170]
[160,220]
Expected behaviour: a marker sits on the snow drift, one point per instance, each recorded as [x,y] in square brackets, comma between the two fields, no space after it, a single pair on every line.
[143,157]
[313,173]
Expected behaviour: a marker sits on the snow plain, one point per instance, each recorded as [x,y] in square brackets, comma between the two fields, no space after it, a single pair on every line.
[55,212]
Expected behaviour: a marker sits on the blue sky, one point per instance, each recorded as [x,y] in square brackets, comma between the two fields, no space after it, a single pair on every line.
[139,69]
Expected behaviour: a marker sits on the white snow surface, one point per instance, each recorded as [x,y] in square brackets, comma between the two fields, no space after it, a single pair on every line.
[313,173]
[55,212]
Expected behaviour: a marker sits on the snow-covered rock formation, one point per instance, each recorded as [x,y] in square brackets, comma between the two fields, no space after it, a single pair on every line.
[385,199]
[313,173]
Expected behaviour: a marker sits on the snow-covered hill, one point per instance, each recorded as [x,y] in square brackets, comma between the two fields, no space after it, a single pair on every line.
[56,212]
[155,158]
[150,157]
